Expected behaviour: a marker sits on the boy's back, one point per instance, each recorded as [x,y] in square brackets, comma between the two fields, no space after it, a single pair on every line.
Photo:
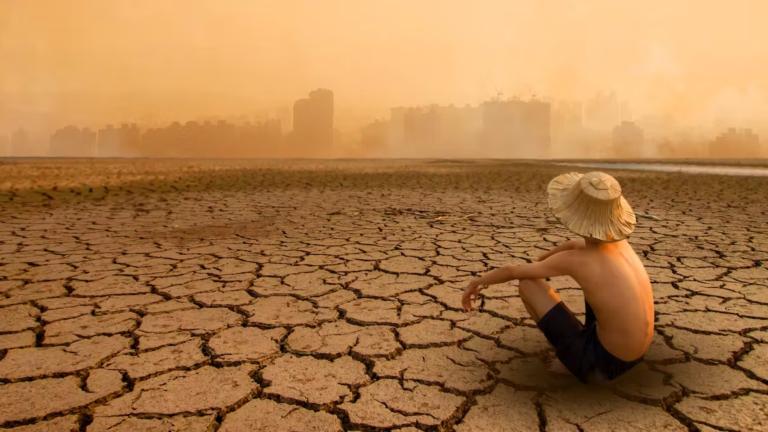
[618,289]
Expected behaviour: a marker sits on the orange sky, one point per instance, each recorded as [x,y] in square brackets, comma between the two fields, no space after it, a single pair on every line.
[91,62]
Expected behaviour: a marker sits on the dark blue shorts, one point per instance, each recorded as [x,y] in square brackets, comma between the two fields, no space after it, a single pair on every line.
[577,345]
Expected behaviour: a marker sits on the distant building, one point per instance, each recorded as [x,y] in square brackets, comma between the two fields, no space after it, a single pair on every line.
[516,128]
[460,129]
[421,131]
[659,130]
[5,145]
[71,141]
[567,116]
[604,111]
[628,140]
[283,116]
[20,142]
[259,139]
[108,142]
[374,138]
[681,147]
[163,141]
[118,142]
[433,131]
[313,121]
[509,128]
[736,143]
[218,138]
[568,132]
[396,133]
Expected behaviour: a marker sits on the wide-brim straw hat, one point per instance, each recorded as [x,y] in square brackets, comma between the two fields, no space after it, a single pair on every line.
[591,205]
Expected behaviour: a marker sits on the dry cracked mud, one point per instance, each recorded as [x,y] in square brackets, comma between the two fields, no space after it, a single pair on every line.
[324,296]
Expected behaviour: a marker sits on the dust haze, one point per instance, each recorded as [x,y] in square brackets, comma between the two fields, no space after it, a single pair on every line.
[592,79]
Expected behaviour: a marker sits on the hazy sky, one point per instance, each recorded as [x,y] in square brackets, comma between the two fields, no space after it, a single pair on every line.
[94,61]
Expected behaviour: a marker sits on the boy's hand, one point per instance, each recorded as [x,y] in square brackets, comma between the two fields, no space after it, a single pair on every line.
[470,293]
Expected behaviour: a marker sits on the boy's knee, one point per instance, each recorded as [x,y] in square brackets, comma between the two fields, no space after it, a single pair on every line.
[527,287]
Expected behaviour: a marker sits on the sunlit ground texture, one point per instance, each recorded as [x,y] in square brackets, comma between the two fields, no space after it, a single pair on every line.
[193,295]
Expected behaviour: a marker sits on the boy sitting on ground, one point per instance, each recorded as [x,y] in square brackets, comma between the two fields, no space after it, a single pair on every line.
[618,298]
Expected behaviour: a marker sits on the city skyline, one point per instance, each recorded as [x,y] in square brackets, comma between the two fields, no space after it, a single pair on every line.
[683,75]
[601,127]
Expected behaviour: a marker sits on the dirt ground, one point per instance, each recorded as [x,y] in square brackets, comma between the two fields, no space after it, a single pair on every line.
[184,295]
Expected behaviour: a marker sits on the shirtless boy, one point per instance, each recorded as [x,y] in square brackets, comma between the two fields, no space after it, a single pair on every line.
[618,326]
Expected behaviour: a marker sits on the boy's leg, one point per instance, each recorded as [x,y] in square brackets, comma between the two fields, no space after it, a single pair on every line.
[562,329]
[538,297]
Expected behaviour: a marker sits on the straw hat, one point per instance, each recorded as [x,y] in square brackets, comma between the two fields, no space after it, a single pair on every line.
[591,205]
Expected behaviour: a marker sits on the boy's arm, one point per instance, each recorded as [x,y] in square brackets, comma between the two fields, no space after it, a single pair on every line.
[556,265]
[567,245]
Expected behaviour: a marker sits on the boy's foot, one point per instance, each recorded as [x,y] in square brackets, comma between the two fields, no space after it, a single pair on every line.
[555,366]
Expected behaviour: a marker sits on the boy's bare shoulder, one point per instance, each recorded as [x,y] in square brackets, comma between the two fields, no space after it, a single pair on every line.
[582,253]
[584,260]
[571,260]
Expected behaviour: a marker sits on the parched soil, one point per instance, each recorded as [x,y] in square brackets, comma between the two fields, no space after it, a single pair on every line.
[192,295]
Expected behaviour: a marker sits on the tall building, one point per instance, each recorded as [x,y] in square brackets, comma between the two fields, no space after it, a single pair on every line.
[736,143]
[628,140]
[313,121]
[516,128]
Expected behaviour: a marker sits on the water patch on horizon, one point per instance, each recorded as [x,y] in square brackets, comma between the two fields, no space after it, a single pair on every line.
[675,168]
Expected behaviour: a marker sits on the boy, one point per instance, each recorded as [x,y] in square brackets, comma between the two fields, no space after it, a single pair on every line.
[618,298]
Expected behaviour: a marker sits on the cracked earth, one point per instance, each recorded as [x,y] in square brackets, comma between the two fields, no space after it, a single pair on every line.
[324,296]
